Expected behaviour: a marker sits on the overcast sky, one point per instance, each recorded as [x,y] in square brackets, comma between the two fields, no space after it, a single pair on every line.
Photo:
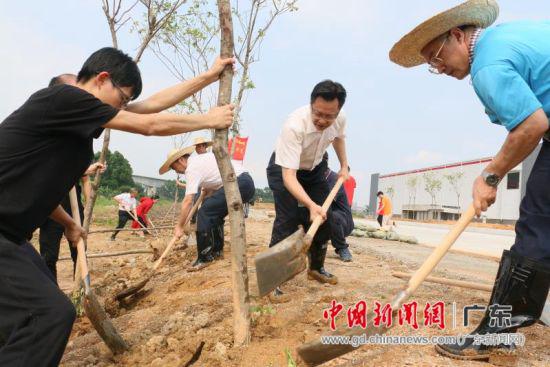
[398,118]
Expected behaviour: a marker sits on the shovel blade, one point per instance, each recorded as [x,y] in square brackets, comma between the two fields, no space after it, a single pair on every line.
[132,289]
[280,263]
[104,327]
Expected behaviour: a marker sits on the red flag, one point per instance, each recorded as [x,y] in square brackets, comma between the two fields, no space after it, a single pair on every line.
[240,148]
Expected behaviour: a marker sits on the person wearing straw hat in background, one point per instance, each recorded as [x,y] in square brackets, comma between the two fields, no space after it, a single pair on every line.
[201,146]
[509,66]
[201,171]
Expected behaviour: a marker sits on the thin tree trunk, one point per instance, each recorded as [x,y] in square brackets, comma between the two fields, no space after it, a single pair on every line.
[88,210]
[239,273]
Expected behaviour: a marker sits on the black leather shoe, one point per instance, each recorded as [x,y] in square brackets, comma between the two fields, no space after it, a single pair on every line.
[277,296]
[322,276]
[344,255]
[201,263]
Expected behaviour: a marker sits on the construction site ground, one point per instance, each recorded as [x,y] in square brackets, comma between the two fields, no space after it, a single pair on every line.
[180,310]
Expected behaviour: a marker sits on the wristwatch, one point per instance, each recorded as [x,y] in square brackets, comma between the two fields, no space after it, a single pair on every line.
[490,179]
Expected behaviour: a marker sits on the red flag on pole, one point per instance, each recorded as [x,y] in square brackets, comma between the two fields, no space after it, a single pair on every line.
[240,147]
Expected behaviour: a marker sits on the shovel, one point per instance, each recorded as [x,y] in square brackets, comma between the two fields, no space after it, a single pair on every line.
[138,286]
[315,352]
[93,309]
[153,225]
[286,259]
[145,229]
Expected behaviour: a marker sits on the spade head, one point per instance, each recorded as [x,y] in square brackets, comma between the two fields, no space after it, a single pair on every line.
[280,262]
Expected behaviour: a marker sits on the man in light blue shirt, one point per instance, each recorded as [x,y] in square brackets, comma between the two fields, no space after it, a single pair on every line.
[510,69]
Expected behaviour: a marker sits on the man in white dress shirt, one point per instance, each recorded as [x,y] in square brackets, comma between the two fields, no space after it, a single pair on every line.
[126,204]
[201,171]
[296,171]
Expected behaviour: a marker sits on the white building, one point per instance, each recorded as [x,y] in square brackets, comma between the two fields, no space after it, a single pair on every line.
[150,184]
[443,192]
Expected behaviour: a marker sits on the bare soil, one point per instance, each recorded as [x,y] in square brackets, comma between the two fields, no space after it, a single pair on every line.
[180,310]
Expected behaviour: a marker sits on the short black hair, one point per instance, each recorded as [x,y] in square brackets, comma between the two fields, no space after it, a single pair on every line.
[380,193]
[122,69]
[329,90]
[325,156]
[57,80]
[155,197]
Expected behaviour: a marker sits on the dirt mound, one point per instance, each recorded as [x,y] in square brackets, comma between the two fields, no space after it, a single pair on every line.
[182,316]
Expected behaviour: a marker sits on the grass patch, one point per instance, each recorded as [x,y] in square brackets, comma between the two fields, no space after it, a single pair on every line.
[262,310]
[289,361]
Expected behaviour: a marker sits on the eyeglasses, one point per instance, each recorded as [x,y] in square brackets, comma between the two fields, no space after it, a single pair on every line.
[436,62]
[324,116]
[124,98]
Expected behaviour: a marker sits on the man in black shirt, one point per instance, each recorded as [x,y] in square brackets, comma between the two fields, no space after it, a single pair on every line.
[51,232]
[45,147]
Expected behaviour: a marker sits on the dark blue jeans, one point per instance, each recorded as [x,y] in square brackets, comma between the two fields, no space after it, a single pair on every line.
[214,208]
[533,225]
[341,226]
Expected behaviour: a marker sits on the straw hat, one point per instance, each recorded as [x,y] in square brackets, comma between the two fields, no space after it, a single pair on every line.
[173,156]
[201,140]
[480,13]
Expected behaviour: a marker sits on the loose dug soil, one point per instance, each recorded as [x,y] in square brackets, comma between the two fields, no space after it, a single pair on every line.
[180,311]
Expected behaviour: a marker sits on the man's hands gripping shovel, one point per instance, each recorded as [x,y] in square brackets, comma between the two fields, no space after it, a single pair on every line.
[133,289]
[286,259]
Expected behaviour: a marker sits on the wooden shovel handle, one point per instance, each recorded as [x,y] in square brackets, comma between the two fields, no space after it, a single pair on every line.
[431,262]
[175,239]
[135,218]
[81,250]
[318,220]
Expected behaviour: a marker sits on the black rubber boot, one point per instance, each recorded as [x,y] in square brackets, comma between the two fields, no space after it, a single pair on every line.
[217,242]
[204,251]
[317,254]
[521,283]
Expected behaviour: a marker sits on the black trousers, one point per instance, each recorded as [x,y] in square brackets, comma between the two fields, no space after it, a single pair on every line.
[50,237]
[123,218]
[288,215]
[210,216]
[379,219]
[533,225]
[214,208]
[340,227]
[36,318]
[50,240]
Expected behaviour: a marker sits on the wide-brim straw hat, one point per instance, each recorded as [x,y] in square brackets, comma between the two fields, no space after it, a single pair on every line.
[173,156]
[479,13]
[201,140]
